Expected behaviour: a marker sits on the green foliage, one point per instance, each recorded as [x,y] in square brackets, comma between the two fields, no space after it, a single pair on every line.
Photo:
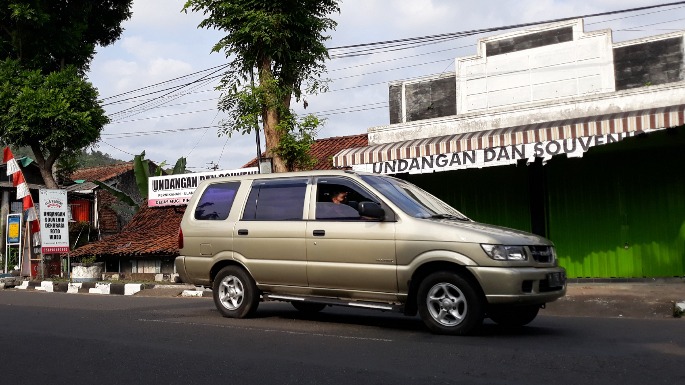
[88,260]
[49,35]
[296,141]
[95,158]
[45,101]
[141,169]
[52,114]
[282,45]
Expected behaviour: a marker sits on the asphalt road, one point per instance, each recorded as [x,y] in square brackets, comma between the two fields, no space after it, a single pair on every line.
[77,339]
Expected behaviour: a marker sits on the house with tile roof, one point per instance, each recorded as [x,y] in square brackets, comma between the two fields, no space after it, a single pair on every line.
[146,247]
[91,204]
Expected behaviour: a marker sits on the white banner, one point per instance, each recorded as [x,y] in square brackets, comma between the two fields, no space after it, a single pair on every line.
[176,190]
[54,221]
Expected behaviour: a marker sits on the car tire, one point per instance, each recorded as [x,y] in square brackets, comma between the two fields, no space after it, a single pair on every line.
[449,304]
[308,307]
[513,316]
[235,293]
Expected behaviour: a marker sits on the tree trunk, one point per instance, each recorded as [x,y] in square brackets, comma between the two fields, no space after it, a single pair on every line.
[45,167]
[270,119]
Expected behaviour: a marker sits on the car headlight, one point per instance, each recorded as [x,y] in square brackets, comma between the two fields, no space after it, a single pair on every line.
[505,253]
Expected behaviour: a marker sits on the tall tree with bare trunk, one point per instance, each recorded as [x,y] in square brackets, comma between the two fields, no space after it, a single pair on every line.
[276,51]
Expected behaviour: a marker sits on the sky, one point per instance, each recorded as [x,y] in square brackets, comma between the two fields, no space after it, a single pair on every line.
[139,76]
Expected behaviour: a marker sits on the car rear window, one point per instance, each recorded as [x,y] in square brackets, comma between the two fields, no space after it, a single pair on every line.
[216,201]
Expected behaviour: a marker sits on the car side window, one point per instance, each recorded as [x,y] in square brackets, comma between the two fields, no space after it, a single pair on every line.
[339,198]
[276,200]
[216,201]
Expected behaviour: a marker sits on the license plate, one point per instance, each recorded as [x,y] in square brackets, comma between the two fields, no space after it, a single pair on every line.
[556,279]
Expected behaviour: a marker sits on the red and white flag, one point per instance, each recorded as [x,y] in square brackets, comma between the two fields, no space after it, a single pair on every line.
[8,158]
[23,192]
[19,182]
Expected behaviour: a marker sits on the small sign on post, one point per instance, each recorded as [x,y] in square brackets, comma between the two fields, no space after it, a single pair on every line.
[13,240]
[54,222]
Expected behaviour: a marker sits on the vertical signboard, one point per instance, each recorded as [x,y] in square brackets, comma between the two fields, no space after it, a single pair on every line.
[13,236]
[13,229]
[54,221]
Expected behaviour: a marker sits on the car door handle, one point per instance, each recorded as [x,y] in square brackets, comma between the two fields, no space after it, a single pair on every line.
[319,233]
[242,232]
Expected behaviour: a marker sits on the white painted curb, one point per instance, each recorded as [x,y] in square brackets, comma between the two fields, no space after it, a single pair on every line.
[24,285]
[46,286]
[73,288]
[191,293]
[103,287]
[132,288]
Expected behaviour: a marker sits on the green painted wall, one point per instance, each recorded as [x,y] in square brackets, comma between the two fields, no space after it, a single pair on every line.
[620,210]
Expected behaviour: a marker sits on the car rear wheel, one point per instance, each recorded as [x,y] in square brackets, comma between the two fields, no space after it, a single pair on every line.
[308,307]
[235,293]
[449,304]
[513,316]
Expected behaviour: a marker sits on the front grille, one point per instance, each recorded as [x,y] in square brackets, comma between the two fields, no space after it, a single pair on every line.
[542,254]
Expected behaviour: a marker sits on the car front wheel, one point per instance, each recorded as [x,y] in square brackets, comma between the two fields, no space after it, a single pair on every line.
[235,293]
[449,304]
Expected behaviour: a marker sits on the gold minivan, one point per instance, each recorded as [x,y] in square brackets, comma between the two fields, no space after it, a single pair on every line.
[323,238]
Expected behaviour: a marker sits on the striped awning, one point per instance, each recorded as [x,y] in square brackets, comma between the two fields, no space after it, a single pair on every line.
[625,122]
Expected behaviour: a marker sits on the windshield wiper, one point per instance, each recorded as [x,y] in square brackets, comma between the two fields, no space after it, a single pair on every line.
[448,216]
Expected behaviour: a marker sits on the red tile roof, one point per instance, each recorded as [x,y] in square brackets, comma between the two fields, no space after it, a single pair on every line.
[324,149]
[102,173]
[153,231]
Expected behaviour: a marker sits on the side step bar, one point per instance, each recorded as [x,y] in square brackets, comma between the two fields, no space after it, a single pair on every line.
[335,302]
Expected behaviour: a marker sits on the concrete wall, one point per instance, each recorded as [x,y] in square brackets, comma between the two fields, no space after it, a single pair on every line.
[556,68]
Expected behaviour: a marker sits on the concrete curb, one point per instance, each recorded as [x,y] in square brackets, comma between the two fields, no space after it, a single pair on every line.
[103,288]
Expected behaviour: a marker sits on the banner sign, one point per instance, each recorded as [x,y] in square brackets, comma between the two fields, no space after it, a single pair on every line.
[14,229]
[54,221]
[176,190]
[494,156]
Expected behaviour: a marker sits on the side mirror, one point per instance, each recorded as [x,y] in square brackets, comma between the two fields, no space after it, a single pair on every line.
[371,210]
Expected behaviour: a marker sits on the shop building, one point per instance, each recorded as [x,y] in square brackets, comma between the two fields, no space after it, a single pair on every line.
[558,131]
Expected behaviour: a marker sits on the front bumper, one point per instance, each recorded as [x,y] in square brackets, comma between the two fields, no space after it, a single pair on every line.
[527,285]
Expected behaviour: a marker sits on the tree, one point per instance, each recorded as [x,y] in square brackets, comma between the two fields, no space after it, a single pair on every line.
[49,35]
[55,114]
[48,47]
[282,43]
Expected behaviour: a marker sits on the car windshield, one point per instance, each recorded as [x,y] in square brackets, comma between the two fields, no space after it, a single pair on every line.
[412,199]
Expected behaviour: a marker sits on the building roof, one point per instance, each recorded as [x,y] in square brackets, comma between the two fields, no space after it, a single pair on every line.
[102,173]
[324,149]
[153,231]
